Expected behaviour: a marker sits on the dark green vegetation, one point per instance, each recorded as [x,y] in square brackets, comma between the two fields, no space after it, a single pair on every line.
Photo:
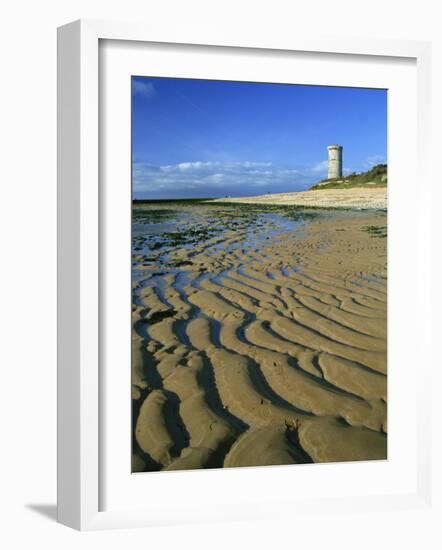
[376,177]
[163,229]
[376,230]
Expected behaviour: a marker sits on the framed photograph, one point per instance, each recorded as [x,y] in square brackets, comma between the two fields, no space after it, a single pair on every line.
[237,337]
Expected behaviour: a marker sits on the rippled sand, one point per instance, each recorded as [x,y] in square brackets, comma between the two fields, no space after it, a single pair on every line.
[273,351]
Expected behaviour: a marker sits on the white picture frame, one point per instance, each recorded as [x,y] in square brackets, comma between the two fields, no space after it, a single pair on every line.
[80,437]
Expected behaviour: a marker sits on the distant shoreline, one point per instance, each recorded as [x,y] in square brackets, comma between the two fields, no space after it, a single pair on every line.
[335,199]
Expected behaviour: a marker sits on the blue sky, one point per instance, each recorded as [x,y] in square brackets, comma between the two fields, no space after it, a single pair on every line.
[202,138]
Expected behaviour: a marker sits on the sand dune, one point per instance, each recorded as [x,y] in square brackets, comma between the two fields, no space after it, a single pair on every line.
[273,353]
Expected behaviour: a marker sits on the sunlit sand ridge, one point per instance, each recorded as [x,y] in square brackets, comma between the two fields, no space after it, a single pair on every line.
[261,344]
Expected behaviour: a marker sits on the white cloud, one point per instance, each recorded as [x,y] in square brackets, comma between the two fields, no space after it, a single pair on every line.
[214,165]
[143,88]
[216,177]
[373,160]
[320,167]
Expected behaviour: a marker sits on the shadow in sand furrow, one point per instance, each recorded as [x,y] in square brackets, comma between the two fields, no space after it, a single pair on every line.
[261,385]
[323,382]
[373,286]
[149,318]
[254,294]
[219,291]
[345,424]
[358,288]
[300,289]
[241,331]
[328,299]
[223,288]
[219,454]
[180,330]
[241,334]
[180,325]
[329,345]
[249,286]
[141,326]
[333,339]
[275,296]
[194,313]
[267,326]
[345,290]
[358,365]
[296,450]
[240,276]
[174,423]
[136,405]
[323,287]
[149,464]
[206,379]
[365,301]
[267,278]
[157,283]
[351,306]
[378,284]
[256,277]
[215,332]
[149,368]
[196,282]
[172,418]
[339,323]
[363,290]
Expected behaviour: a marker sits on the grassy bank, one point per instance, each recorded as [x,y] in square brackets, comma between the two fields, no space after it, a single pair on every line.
[376,177]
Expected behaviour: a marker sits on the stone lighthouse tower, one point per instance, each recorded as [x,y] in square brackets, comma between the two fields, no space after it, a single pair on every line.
[334,161]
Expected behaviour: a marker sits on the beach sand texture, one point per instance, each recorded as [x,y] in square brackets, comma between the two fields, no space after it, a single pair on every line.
[259,342]
[358,197]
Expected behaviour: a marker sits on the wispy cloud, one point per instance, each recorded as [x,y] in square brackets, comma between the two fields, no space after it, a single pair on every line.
[373,160]
[200,167]
[218,178]
[320,167]
[143,88]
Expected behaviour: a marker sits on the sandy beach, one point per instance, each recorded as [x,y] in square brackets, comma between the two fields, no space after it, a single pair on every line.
[259,334]
[358,197]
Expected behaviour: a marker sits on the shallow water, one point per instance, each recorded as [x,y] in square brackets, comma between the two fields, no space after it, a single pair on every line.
[157,231]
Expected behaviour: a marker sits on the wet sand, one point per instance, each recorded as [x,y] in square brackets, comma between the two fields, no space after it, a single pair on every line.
[260,347]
